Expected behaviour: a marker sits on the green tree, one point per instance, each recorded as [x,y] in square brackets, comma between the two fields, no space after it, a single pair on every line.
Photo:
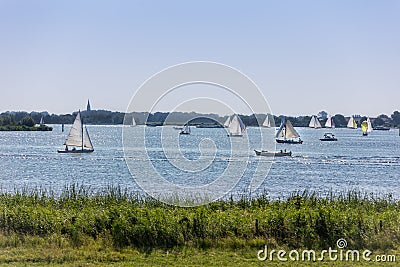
[379,122]
[396,118]
[340,120]
[28,121]
[7,120]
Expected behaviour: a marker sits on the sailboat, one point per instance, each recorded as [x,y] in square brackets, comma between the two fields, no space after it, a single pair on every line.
[352,123]
[329,122]
[366,127]
[287,134]
[269,121]
[314,122]
[78,137]
[41,121]
[227,122]
[133,123]
[236,127]
[185,130]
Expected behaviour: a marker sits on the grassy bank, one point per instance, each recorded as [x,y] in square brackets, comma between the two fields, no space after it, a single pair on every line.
[42,128]
[114,227]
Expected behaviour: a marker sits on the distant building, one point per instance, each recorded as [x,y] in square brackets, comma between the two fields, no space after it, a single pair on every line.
[88,106]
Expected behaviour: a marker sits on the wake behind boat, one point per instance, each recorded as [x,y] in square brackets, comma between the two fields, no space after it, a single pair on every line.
[78,138]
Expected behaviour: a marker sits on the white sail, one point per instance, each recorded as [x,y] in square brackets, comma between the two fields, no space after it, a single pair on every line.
[369,129]
[352,123]
[290,132]
[133,122]
[186,129]
[329,122]
[227,122]
[88,142]
[314,122]
[41,121]
[74,137]
[236,127]
[269,121]
[280,133]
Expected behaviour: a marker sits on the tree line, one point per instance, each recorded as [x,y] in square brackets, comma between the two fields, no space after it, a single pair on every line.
[104,117]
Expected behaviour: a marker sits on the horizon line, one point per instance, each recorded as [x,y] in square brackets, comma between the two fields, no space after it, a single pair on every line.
[200,113]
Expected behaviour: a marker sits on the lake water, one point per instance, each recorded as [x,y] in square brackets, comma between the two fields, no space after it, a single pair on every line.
[29,160]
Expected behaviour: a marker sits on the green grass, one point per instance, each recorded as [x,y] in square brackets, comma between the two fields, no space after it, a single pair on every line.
[117,228]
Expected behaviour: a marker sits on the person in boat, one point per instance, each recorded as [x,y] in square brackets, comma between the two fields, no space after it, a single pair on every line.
[74,149]
[66,148]
[281,151]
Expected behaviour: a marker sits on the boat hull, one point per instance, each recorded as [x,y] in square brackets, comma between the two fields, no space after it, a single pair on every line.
[289,141]
[379,128]
[77,151]
[328,139]
[235,135]
[273,153]
[183,133]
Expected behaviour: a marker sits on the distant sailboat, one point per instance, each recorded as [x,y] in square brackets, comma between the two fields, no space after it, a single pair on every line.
[236,127]
[366,127]
[314,123]
[287,134]
[227,122]
[41,121]
[78,137]
[352,123]
[269,121]
[133,123]
[329,122]
[185,130]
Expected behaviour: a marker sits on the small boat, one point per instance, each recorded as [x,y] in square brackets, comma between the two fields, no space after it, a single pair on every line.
[78,138]
[185,130]
[352,123]
[381,128]
[329,122]
[269,121]
[266,153]
[366,127]
[328,137]
[287,134]
[236,127]
[314,123]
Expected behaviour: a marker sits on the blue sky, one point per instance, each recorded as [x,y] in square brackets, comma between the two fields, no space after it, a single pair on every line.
[306,56]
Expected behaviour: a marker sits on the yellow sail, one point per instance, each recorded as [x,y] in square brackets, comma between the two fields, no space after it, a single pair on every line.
[364,126]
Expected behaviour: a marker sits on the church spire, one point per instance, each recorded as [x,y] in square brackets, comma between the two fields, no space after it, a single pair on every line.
[88,106]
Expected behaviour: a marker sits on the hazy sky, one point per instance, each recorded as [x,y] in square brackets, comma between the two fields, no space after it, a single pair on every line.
[306,56]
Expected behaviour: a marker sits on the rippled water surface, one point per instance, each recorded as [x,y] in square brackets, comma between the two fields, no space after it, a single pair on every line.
[369,164]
